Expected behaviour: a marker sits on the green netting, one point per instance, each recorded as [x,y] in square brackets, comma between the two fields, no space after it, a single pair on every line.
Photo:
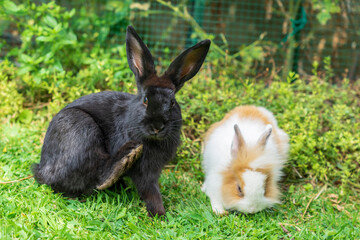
[282,34]
[298,39]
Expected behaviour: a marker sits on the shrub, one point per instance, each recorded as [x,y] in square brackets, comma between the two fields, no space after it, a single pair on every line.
[63,54]
[11,100]
[323,121]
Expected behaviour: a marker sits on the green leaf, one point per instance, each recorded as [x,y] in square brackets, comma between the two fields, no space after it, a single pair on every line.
[72,12]
[58,66]
[10,6]
[308,187]
[121,214]
[44,39]
[49,56]
[25,58]
[26,116]
[291,189]
[23,70]
[323,17]
[50,21]
[58,27]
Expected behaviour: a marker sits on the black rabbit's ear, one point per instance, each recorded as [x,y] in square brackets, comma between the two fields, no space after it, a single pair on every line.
[139,57]
[187,64]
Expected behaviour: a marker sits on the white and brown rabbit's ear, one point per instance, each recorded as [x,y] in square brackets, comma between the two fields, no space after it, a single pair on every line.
[187,64]
[238,143]
[139,57]
[263,139]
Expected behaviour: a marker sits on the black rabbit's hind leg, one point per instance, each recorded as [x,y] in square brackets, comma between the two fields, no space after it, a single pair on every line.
[119,164]
[73,154]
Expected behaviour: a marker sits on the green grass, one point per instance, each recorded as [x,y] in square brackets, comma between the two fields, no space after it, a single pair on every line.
[321,194]
[30,211]
[33,211]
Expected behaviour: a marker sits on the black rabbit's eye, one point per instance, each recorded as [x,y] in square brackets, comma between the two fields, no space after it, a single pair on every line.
[172,103]
[145,101]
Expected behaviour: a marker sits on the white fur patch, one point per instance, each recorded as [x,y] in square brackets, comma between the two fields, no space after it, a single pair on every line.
[254,184]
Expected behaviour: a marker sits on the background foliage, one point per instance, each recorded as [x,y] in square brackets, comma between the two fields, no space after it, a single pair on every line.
[269,36]
[64,53]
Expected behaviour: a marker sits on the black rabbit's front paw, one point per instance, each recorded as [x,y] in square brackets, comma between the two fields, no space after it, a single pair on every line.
[155,209]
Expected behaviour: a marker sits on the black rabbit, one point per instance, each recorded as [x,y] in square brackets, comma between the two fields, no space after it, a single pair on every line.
[88,138]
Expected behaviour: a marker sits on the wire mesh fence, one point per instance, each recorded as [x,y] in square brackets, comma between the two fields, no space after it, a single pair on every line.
[271,35]
[291,35]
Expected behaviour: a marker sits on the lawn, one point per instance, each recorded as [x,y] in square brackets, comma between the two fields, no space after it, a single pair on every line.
[311,208]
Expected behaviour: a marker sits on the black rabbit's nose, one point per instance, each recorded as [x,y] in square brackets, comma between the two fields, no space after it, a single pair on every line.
[157,127]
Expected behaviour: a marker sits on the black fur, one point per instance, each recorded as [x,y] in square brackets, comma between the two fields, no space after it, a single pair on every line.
[86,138]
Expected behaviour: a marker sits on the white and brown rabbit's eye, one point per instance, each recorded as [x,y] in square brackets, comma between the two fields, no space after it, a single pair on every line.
[145,101]
[239,191]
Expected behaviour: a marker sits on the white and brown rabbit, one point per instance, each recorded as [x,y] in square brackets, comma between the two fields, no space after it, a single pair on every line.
[87,139]
[243,158]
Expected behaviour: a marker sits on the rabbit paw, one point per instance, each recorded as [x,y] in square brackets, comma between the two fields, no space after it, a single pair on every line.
[218,209]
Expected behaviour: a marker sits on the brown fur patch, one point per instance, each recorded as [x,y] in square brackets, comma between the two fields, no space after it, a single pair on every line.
[230,184]
[246,111]
[155,81]
[271,189]
[245,157]
[121,167]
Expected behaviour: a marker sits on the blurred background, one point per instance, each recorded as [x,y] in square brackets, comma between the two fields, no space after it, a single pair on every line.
[266,36]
